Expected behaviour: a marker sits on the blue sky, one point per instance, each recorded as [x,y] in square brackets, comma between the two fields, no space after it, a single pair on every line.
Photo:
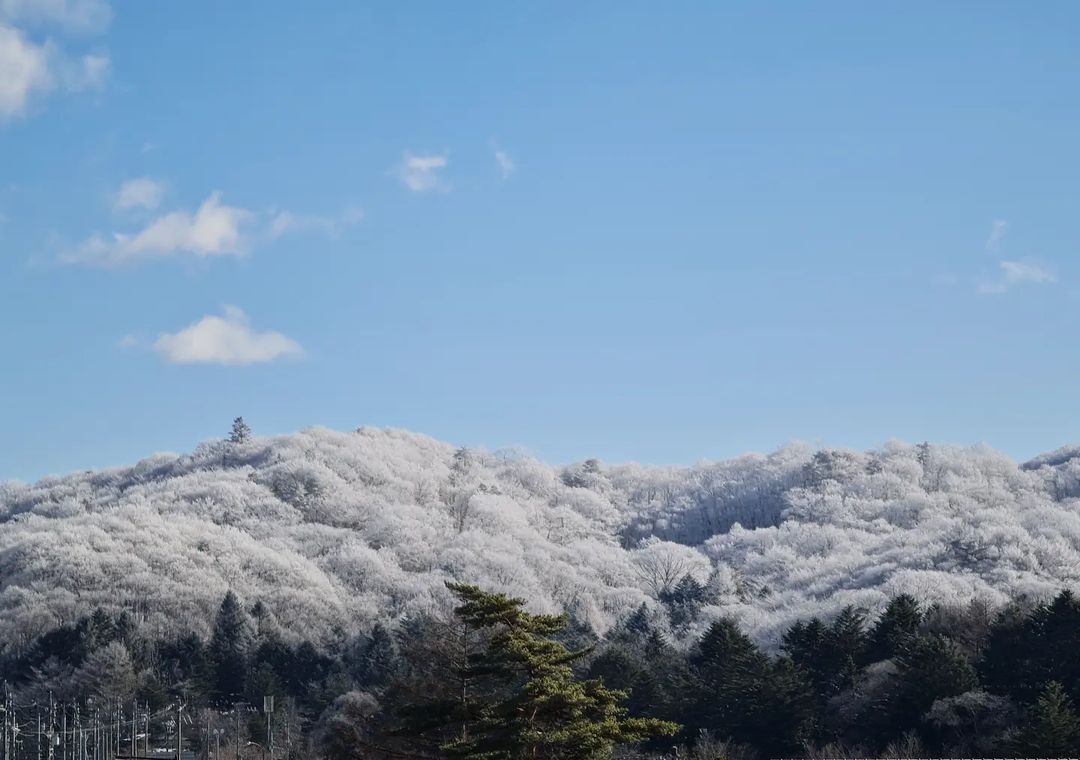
[604,229]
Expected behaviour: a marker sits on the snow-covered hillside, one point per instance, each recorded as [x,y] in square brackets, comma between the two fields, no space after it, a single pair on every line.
[334,531]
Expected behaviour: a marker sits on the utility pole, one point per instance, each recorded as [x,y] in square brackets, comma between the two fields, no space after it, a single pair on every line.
[179,730]
[268,708]
[7,707]
[52,726]
[290,706]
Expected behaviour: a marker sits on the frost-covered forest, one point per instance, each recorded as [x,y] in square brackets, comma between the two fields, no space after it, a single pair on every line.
[334,531]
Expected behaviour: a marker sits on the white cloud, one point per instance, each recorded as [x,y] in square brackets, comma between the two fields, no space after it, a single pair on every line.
[1014,273]
[142,192]
[997,235]
[284,222]
[421,174]
[227,339]
[213,230]
[24,70]
[30,67]
[506,164]
[80,16]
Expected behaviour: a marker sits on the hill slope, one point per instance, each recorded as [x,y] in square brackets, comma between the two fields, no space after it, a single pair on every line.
[333,531]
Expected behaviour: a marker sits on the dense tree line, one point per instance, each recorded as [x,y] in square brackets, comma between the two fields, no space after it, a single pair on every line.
[495,680]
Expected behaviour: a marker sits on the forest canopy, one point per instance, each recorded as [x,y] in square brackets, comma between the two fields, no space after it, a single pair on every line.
[333,532]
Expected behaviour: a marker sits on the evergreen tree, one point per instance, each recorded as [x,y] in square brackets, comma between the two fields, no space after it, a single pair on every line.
[845,647]
[184,664]
[637,626]
[738,692]
[931,667]
[240,433]
[535,705]
[894,629]
[684,601]
[228,650]
[791,702]
[1053,728]
[1056,628]
[727,687]
[378,658]
[806,643]
[618,668]
[1006,664]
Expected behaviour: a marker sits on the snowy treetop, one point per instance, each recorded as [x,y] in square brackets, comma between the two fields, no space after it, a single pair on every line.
[335,531]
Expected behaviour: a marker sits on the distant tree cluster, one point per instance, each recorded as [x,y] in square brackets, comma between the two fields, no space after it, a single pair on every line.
[494,680]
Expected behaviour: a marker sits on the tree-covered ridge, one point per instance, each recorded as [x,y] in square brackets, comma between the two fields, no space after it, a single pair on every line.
[333,532]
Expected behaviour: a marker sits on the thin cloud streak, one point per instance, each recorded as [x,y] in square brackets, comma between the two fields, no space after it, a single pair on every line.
[1016,273]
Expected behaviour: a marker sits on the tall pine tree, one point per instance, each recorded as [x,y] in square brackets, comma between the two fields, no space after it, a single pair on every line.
[531,705]
[228,651]
[240,432]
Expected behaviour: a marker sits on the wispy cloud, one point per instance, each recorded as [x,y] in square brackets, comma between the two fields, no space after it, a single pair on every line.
[998,228]
[24,70]
[228,339]
[141,193]
[506,164]
[422,174]
[1016,273]
[31,68]
[213,230]
[285,222]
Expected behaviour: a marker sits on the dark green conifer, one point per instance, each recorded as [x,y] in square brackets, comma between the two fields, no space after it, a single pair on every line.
[229,649]
[533,705]
[894,629]
[1053,728]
